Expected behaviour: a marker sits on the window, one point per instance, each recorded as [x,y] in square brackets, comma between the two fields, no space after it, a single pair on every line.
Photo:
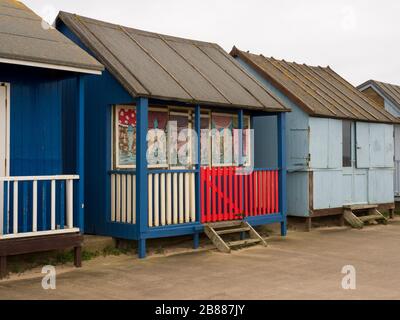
[220,147]
[179,143]
[125,137]
[169,139]
[162,146]
[156,139]
[347,142]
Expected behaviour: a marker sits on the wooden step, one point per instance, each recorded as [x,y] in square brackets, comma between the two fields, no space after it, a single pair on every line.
[225,224]
[352,219]
[230,231]
[243,242]
[215,230]
[371,218]
[358,207]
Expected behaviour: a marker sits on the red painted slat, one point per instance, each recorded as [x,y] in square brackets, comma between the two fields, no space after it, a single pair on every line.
[272,192]
[251,200]
[202,211]
[260,193]
[241,186]
[231,193]
[268,192]
[265,210]
[276,192]
[225,212]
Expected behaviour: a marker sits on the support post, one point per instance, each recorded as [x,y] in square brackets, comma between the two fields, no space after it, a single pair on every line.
[78,257]
[282,170]
[240,142]
[142,109]
[80,154]
[3,267]
[196,236]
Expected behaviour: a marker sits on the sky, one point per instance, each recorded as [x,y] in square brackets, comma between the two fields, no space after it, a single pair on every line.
[359,39]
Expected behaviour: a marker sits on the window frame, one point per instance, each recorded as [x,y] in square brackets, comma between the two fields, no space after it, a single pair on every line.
[351,144]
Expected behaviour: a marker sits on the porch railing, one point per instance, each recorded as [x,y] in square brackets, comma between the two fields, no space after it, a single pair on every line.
[171,197]
[35,206]
[225,194]
[231,194]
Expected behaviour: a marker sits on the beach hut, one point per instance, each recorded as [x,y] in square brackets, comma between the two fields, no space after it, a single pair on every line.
[387,96]
[41,193]
[153,81]
[340,143]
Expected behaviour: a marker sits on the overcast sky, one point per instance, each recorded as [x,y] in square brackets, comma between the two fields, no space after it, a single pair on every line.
[359,39]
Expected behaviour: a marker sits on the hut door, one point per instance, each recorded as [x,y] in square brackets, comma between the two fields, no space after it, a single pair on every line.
[355,186]
[4,125]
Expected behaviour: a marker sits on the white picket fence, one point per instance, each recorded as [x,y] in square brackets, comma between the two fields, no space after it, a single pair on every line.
[21,198]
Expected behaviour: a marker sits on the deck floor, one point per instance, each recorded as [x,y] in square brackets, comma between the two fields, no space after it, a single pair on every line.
[304,266]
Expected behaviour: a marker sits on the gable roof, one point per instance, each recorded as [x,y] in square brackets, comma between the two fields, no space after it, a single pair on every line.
[24,41]
[386,90]
[163,67]
[318,91]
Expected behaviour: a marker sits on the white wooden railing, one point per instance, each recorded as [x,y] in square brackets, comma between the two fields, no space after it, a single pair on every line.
[36,206]
[171,197]
[123,198]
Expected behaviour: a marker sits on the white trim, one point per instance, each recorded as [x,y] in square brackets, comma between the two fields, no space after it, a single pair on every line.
[49,66]
[40,178]
[7,86]
[38,234]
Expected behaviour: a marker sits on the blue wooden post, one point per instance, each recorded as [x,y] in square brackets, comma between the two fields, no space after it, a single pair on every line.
[283,169]
[80,154]
[196,237]
[142,109]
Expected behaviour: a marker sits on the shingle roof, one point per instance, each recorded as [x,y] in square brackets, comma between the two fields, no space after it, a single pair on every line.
[318,91]
[169,68]
[22,38]
[389,91]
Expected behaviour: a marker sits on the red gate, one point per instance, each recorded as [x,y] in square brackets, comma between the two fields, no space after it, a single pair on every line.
[229,194]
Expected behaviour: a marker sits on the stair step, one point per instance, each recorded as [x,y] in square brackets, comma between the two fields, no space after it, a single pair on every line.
[371,217]
[225,224]
[359,207]
[230,231]
[243,242]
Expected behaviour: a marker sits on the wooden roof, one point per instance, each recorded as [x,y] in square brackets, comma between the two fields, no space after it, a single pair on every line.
[318,91]
[169,68]
[24,39]
[387,90]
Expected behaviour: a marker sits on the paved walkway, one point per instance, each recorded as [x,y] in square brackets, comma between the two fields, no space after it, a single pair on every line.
[303,266]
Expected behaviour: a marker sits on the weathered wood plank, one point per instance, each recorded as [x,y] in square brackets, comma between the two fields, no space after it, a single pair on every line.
[216,239]
[352,219]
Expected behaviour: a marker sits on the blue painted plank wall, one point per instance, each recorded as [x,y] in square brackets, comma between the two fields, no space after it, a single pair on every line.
[101,93]
[35,116]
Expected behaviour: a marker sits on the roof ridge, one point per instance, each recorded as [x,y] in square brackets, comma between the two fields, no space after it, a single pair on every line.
[148,33]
